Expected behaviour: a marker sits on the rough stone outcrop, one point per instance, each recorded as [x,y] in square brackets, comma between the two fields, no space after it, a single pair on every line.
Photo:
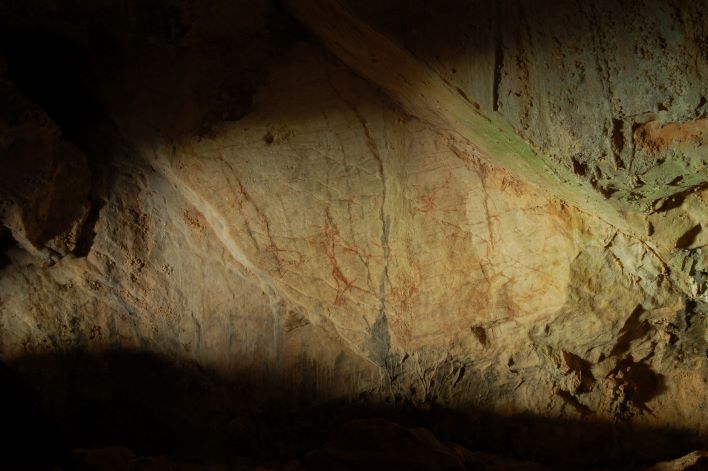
[44,180]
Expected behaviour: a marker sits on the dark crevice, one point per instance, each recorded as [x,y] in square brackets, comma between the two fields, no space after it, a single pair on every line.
[579,167]
[617,139]
[498,58]
[677,199]
[7,242]
[574,402]
[88,230]
[688,237]
[55,73]
[689,312]
[634,328]
[676,180]
[702,104]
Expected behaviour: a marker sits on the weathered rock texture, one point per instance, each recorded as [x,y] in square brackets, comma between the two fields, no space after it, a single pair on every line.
[44,179]
[491,214]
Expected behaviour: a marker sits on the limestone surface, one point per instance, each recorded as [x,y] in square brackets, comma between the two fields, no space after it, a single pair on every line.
[298,225]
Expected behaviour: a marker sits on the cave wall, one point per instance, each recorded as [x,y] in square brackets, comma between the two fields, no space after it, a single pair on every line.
[614,91]
[278,218]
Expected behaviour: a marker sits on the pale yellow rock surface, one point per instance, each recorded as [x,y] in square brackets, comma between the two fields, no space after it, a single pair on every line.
[360,240]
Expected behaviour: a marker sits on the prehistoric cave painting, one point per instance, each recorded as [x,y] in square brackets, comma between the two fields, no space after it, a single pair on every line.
[233,226]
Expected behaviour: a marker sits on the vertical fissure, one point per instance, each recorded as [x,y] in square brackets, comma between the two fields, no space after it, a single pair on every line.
[498,58]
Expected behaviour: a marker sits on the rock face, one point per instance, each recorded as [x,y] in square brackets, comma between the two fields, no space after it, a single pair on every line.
[492,227]
[590,86]
[45,179]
